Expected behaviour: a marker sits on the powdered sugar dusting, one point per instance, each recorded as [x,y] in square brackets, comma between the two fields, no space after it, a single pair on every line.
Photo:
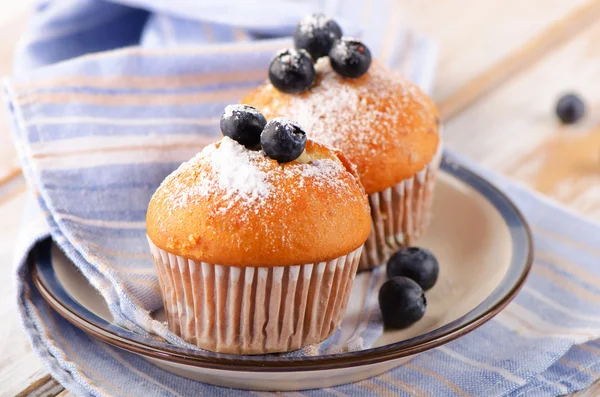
[312,24]
[227,175]
[228,113]
[236,170]
[285,56]
[229,168]
[323,172]
[328,112]
[346,49]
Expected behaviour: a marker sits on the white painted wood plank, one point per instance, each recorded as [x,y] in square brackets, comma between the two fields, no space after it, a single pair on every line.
[44,387]
[514,130]
[13,17]
[592,391]
[19,366]
[475,35]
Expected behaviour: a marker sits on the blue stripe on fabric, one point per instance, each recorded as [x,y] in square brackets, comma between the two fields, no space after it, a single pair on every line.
[125,215]
[105,236]
[198,85]
[121,27]
[114,114]
[552,315]
[564,253]
[163,63]
[575,280]
[65,131]
[431,385]
[105,176]
[554,291]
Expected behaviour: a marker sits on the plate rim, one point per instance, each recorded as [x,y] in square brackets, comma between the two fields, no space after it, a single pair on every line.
[501,296]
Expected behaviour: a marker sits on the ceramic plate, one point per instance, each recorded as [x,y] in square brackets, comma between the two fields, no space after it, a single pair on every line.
[485,252]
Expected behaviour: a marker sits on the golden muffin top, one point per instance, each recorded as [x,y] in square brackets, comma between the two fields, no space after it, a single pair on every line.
[233,206]
[382,122]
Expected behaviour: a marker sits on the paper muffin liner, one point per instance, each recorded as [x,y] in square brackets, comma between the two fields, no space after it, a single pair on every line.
[254,310]
[400,214]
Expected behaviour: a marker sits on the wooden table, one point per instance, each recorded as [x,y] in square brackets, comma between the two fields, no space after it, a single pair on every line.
[502,66]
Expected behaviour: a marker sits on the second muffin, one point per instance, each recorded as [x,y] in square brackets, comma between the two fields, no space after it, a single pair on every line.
[386,126]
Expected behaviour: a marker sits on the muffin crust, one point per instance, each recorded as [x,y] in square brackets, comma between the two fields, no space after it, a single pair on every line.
[236,207]
[384,123]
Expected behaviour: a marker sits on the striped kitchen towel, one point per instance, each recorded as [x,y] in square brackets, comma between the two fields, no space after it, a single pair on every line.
[98,134]
[109,97]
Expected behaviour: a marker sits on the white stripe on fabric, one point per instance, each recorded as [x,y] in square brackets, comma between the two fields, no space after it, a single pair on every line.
[70,363]
[531,321]
[559,383]
[336,393]
[558,307]
[135,100]
[117,121]
[506,374]
[578,366]
[166,28]
[565,282]
[101,223]
[440,377]
[412,389]
[562,239]
[563,389]
[574,269]
[121,143]
[216,48]
[143,375]
[109,253]
[128,157]
[525,330]
[136,82]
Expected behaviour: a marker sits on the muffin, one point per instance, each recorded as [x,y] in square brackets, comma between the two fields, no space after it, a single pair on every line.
[382,122]
[255,255]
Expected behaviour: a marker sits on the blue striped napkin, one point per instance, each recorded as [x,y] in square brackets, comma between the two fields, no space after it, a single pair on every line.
[97,133]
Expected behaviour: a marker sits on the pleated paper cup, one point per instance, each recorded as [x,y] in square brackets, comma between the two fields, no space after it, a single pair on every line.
[254,310]
[400,214]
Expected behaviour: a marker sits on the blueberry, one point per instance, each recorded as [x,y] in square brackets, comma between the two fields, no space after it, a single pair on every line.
[402,302]
[292,71]
[418,264]
[283,140]
[316,34]
[570,108]
[243,124]
[350,58]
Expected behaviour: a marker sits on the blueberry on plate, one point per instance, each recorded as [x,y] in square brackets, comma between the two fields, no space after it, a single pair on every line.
[292,71]
[350,58]
[316,34]
[402,302]
[243,124]
[570,108]
[283,140]
[418,264]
